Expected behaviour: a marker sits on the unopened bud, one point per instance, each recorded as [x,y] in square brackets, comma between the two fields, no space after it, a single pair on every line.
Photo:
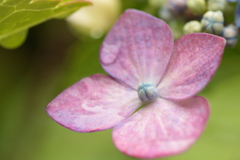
[165,13]
[192,27]
[216,5]
[177,6]
[212,22]
[147,91]
[197,6]
[230,33]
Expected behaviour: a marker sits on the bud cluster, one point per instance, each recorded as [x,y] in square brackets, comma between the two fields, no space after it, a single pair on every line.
[201,16]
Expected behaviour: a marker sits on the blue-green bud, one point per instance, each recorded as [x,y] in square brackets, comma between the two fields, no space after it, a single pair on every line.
[230,33]
[165,13]
[192,27]
[147,91]
[212,22]
[216,5]
[177,7]
[197,6]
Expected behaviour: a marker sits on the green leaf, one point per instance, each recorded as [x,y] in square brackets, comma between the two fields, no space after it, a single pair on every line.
[14,40]
[17,16]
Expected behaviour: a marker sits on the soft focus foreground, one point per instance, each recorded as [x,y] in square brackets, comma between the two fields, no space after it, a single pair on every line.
[49,62]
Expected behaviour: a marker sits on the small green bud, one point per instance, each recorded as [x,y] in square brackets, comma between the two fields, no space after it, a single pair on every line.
[197,6]
[147,91]
[216,5]
[192,27]
[230,33]
[212,22]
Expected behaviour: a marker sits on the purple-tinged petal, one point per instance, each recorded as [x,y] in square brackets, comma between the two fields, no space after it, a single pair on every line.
[193,63]
[137,49]
[162,128]
[94,103]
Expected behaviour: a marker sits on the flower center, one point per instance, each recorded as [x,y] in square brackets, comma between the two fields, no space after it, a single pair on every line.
[147,91]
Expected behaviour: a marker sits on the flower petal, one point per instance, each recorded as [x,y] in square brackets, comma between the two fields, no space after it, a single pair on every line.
[137,49]
[194,61]
[162,128]
[94,103]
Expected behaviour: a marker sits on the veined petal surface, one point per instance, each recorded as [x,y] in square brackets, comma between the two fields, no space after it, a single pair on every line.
[195,59]
[94,103]
[137,49]
[162,128]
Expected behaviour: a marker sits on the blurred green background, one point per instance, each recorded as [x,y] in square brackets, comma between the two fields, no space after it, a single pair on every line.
[52,59]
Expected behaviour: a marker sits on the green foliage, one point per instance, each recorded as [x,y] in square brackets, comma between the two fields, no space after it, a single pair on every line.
[17,16]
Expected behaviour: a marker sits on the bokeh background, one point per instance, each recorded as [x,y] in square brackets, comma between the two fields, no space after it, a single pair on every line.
[54,57]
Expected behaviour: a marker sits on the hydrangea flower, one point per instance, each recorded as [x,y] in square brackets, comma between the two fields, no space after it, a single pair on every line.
[146,69]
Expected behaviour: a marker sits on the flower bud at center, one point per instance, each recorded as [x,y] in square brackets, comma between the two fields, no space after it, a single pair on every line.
[147,91]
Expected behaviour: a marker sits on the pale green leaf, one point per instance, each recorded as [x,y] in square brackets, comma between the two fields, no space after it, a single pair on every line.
[17,16]
[14,41]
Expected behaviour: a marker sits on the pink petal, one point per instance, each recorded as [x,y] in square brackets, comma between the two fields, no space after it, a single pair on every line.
[137,49]
[193,63]
[162,128]
[94,103]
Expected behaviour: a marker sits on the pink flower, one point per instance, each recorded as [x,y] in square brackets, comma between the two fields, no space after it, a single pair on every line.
[146,65]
